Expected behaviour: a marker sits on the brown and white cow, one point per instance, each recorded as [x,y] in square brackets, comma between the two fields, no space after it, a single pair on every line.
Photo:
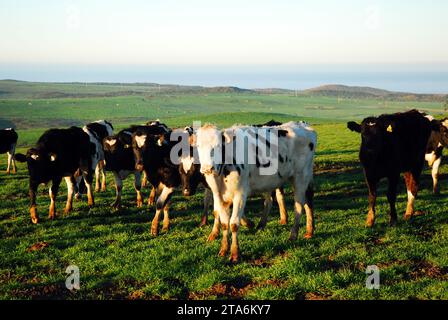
[8,142]
[288,157]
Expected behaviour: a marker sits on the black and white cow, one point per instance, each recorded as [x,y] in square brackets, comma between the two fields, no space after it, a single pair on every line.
[291,159]
[8,142]
[393,144]
[189,169]
[59,153]
[97,131]
[434,150]
[153,155]
[120,160]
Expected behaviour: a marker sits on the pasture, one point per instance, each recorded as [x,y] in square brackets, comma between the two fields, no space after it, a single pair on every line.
[118,258]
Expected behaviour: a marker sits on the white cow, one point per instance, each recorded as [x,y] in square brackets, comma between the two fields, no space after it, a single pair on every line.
[232,181]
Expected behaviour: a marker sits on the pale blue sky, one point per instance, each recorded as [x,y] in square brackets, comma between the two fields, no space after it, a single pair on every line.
[231,32]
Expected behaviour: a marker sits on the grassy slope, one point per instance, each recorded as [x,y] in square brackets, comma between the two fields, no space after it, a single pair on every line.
[119,259]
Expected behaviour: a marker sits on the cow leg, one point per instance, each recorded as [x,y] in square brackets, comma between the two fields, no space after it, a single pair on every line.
[144,180]
[162,200]
[8,169]
[97,177]
[118,188]
[267,208]
[32,194]
[412,187]
[53,191]
[152,196]
[166,218]
[224,218]
[372,185]
[208,198]
[239,201]
[215,230]
[435,175]
[88,181]
[138,188]
[70,181]
[279,194]
[309,210]
[392,197]
[14,168]
[299,203]
[103,175]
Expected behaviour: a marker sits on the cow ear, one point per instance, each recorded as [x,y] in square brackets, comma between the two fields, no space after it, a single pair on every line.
[282,133]
[53,157]
[353,126]
[20,157]
[228,136]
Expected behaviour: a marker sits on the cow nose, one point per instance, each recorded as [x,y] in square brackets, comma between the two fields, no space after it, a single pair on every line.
[186,192]
[206,169]
[139,167]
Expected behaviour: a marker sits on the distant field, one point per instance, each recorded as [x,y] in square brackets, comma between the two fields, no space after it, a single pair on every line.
[119,259]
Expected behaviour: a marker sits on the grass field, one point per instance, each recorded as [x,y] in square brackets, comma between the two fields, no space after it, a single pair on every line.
[118,258]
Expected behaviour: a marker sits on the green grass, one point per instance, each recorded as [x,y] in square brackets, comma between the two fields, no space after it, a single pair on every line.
[118,258]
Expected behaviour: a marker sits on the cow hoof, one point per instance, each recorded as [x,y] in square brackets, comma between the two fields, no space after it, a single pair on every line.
[393,222]
[139,204]
[212,237]
[308,236]
[97,189]
[370,223]
[283,222]
[261,225]
[292,237]
[154,232]
[234,259]
[103,189]
[165,228]
[35,220]
[222,252]
[67,211]
[8,173]
[407,217]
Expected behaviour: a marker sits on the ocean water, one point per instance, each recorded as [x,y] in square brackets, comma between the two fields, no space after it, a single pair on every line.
[404,78]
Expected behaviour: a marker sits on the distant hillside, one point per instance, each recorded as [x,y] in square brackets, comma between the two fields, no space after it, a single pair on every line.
[354,92]
[13,89]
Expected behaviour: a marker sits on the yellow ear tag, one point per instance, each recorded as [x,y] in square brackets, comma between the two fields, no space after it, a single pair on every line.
[389,128]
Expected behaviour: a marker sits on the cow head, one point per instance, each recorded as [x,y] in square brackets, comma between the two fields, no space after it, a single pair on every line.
[40,163]
[189,168]
[144,145]
[117,148]
[372,133]
[208,140]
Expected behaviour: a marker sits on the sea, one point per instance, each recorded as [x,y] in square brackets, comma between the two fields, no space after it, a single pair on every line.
[418,78]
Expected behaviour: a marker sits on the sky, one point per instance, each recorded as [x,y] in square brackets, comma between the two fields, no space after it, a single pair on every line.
[222,33]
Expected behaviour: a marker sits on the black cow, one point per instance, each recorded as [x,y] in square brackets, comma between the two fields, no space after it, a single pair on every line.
[434,149]
[393,144]
[8,142]
[59,153]
[120,160]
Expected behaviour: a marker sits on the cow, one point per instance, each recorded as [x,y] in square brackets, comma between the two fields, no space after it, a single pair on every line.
[59,153]
[97,131]
[145,180]
[393,144]
[8,142]
[120,160]
[153,154]
[434,149]
[189,178]
[232,181]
